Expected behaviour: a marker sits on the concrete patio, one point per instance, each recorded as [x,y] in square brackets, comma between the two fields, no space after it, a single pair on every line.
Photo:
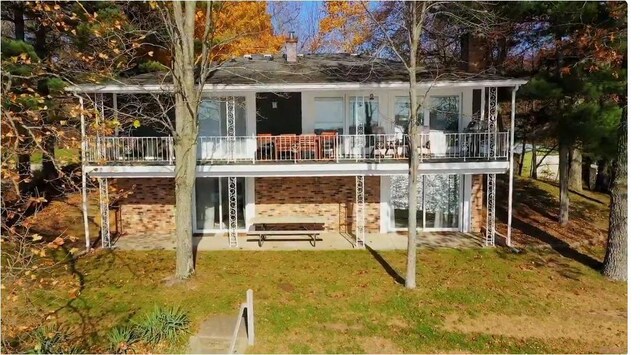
[326,241]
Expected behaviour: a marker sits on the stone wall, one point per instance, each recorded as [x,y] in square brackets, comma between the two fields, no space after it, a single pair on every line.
[331,198]
[148,206]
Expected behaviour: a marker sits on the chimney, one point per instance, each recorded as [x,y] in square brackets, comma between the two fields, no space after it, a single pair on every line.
[290,46]
[474,56]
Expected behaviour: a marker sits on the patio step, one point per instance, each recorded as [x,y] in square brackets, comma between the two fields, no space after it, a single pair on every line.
[215,334]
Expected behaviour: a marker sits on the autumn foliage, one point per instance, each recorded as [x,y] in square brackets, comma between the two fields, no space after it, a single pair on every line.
[344,27]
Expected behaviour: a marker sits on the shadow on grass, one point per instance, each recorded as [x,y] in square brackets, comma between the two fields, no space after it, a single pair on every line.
[386,266]
[559,245]
[529,195]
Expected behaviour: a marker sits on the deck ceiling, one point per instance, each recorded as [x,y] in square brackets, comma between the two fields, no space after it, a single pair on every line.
[302,169]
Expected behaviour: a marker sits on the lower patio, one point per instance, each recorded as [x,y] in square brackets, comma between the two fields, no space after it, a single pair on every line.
[326,241]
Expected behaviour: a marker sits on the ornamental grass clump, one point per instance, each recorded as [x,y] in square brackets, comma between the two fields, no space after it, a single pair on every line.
[163,324]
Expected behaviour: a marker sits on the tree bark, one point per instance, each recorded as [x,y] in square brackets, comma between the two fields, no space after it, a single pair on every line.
[615,260]
[24,152]
[575,171]
[48,157]
[534,160]
[417,13]
[186,133]
[603,176]
[563,170]
[522,153]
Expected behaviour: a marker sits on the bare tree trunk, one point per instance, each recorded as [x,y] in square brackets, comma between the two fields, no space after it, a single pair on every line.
[563,170]
[534,160]
[186,133]
[48,157]
[24,157]
[417,13]
[615,261]
[522,153]
[603,176]
[575,171]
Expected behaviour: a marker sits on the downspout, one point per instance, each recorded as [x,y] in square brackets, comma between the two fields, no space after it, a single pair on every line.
[83,153]
[511,144]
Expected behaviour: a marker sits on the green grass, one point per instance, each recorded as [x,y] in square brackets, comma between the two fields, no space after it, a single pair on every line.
[526,164]
[62,155]
[486,300]
[344,301]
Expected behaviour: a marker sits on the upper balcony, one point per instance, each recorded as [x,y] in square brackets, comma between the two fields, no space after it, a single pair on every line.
[434,146]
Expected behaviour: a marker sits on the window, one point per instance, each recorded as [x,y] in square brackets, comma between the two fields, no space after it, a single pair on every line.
[329,114]
[366,110]
[444,113]
[211,211]
[438,201]
[402,111]
[212,115]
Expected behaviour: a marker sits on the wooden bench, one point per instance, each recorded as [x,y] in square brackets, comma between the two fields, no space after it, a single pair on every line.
[270,226]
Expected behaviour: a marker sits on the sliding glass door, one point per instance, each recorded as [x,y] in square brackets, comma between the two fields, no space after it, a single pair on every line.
[212,119]
[211,212]
[438,206]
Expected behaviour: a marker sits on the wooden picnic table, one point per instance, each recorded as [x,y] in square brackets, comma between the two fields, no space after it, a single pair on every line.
[264,226]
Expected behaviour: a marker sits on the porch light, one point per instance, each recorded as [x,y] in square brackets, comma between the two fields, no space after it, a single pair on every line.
[371,97]
[274,104]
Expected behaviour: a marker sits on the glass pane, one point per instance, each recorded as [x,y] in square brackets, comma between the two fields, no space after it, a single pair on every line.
[441,202]
[207,202]
[329,114]
[444,113]
[402,111]
[366,110]
[209,116]
[400,202]
[241,120]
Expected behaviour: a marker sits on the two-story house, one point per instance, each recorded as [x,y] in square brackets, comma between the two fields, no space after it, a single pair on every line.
[320,135]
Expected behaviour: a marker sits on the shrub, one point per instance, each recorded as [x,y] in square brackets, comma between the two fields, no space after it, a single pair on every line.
[152,66]
[163,324]
[121,338]
[52,340]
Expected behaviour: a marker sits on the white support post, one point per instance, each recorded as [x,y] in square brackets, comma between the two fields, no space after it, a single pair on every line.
[511,167]
[360,212]
[491,178]
[83,157]
[99,120]
[251,332]
[360,190]
[115,113]
[232,181]
[105,231]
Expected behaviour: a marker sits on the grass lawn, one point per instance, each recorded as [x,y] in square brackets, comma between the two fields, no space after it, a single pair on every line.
[344,301]
[63,156]
[548,298]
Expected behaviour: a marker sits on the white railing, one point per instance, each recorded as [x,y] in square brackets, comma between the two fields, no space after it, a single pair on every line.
[299,148]
[130,149]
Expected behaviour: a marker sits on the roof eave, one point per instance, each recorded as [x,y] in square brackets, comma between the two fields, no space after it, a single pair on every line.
[261,87]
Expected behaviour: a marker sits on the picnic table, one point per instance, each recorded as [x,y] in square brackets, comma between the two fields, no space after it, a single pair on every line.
[269,226]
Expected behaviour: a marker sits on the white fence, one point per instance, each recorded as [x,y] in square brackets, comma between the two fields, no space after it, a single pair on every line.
[305,147]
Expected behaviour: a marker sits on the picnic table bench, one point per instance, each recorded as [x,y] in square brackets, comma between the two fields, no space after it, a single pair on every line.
[269,226]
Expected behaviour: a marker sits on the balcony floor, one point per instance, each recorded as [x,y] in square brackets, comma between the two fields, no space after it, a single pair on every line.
[300,162]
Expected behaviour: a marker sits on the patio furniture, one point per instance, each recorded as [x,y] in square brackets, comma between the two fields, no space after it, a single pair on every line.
[285,146]
[308,147]
[328,144]
[265,146]
[264,227]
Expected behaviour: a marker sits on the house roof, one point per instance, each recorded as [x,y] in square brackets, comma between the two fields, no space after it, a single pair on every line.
[315,71]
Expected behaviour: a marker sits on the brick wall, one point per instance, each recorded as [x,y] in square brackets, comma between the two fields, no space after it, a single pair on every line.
[477,203]
[329,197]
[148,208]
